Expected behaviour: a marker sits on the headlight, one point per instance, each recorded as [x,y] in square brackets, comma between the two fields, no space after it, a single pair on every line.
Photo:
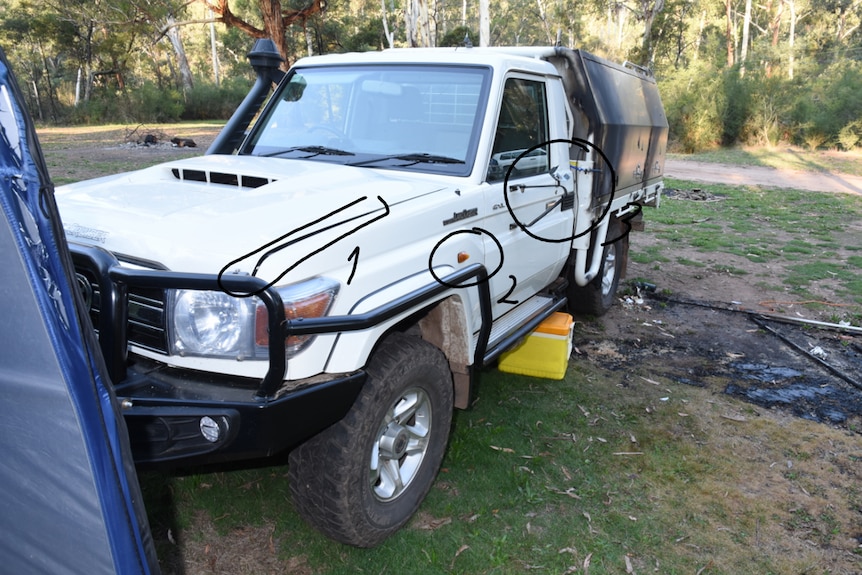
[212,323]
[215,324]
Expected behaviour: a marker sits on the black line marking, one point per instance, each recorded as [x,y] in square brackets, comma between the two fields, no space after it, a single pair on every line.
[300,260]
[508,293]
[293,237]
[354,257]
[582,144]
[477,231]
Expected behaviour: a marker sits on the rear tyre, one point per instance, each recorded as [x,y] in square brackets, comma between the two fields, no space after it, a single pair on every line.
[597,297]
[362,479]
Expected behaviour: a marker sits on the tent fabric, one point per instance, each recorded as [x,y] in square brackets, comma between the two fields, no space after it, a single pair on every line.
[69,497]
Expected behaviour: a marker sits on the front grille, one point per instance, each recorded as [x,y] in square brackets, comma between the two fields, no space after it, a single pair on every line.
[147,319]
[146,309]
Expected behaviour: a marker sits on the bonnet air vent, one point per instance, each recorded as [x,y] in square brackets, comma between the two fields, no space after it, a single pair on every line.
[193,175]
[253,181]
[220,178]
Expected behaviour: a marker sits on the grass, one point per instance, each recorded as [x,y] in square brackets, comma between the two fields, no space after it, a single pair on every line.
[63,137]
[83,152]
[545,476]
[611,470]
[808,240]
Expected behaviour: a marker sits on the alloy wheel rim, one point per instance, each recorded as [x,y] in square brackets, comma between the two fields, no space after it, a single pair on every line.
[401,445]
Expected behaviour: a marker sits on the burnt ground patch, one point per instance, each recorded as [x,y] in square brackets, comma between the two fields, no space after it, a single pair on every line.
[807,371]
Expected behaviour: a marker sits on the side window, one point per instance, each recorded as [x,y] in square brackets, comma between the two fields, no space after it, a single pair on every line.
[523,123]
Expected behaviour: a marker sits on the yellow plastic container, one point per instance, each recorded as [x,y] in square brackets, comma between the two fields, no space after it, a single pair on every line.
[545,352]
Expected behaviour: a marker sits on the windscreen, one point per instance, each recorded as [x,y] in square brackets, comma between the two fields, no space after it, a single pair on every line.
[412,117]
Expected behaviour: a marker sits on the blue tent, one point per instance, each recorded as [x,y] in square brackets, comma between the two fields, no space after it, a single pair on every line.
[69,496]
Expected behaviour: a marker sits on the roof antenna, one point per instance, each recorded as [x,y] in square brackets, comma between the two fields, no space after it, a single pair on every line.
[559,38]
[467,43]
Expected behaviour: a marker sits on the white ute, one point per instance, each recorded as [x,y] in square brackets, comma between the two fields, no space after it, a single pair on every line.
[364,236]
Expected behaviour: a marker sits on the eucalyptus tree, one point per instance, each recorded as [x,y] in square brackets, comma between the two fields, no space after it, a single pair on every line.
[30,38]
[104,35]
[170,16]
[277,16]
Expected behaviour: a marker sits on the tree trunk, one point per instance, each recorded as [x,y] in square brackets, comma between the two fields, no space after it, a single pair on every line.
[276,21]
[699,41]
[78,87]
[729,33]
[410,23]
[843,31]
[214,54]
[417,24]
[746,30]
[309,41]
[621,25]
[484,23]
[543,16]
[425,36]
[650,11]
[38,100]
[173,34]
[88,65]
[52,100]
[775,25]
[273,23]
[390,39]
[792,38]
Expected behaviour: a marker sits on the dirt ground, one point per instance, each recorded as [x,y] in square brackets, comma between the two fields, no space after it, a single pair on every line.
[759,176]
[810,373]
[697,326]
[721,329]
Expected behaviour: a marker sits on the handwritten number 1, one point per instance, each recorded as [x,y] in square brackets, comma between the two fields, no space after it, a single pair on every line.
[354,257]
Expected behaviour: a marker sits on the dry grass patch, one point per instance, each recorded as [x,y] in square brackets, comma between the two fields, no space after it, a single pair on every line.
[764,492]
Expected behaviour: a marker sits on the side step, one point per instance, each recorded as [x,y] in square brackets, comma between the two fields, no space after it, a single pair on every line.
[518,323]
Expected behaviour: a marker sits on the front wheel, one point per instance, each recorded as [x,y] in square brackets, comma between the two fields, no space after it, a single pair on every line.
[362,479]
[599,295]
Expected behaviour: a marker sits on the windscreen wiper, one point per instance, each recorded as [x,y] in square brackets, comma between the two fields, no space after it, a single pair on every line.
[411,159]
[311,151]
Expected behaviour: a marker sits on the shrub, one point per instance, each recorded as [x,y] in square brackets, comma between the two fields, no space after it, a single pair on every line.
[210,102]
[850,135]
[367,38]
[456,37]
[813,138]
[149,104]
[95,111]
[141,104]
[768,115]
[829,105]
[691,98]
[734,106]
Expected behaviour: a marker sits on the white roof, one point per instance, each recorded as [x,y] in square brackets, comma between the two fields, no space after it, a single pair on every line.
[525,58]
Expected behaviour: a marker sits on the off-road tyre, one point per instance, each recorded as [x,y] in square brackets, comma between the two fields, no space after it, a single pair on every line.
[333,481]
[597,297]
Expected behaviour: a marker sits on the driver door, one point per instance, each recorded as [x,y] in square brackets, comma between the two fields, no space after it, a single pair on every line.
[528,216]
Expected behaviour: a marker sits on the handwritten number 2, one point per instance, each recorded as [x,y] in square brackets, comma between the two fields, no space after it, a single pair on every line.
[354,257]
[508,293]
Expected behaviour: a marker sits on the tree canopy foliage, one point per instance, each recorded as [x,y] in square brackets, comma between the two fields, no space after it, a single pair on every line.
[731,71]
